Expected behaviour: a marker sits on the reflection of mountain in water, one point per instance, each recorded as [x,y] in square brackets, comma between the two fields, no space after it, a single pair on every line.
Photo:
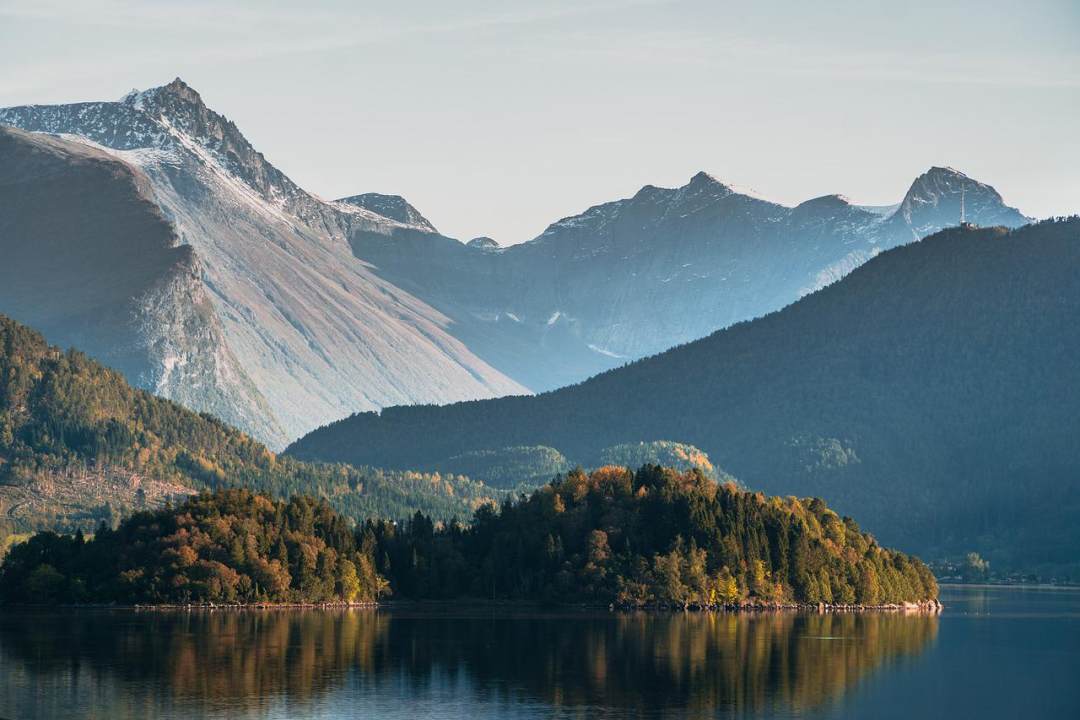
[155,665]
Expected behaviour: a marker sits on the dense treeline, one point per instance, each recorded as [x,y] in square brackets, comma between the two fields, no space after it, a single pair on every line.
[654,536]
[62,415]
[227,547]
[932,393]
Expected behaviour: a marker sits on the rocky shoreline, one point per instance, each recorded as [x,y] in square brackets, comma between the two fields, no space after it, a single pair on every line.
[926,606]
[339,605]
[745,606]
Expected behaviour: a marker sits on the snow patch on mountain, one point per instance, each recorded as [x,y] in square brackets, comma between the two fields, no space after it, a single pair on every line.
[317,334]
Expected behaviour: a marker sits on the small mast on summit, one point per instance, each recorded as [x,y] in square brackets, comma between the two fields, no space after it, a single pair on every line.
[964,224]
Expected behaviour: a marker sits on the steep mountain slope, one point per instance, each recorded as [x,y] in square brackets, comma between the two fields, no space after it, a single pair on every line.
[634,277]
[286,312]
[268,273]
[932,392]
[89,257]
[79,445]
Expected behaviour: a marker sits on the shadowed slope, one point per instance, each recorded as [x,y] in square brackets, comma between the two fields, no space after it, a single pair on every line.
[931,393]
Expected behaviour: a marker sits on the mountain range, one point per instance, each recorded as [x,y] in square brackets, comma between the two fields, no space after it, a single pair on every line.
[932,392]
[151,234]
[634,277]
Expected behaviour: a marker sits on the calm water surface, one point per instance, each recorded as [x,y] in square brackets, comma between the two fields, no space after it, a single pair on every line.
[994,653]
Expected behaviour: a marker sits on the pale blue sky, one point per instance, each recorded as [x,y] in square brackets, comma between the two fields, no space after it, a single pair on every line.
[497,118]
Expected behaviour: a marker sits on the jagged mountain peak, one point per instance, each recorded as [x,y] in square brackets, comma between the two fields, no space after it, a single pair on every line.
[394,207]
[620,280]
[701,186]
[942,196]
[174,100]
[943,180]
[704,179]
[174,118]
[250,305]
[707,184]
[700,182]
[659,205]
[175,87]
[179,86]
[182,107]
[133,96]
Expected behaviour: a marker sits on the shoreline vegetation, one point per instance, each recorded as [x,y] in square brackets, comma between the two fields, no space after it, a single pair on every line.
[655,538]
[480,603]
[927,606]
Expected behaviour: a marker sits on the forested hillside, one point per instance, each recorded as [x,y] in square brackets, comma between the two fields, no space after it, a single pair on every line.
[653,536]
[232,546]
[932,393]
[79,445]
[657,536]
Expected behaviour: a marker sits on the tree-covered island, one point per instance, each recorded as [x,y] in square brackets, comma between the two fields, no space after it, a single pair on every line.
[655,537]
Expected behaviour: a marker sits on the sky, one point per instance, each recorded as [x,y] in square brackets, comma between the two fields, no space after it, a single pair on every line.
[498,118]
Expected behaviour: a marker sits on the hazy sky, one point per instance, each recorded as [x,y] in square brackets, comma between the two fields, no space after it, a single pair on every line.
[497,118]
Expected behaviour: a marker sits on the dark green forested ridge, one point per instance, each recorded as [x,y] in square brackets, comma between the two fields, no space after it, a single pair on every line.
[232,546]
[79,445]
[654,536]
[932,393]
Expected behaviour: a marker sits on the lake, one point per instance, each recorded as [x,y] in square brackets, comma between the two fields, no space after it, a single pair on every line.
[994,653]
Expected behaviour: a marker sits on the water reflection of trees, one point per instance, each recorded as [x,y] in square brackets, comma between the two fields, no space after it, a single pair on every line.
[700,662]
[244,657]
[696,661]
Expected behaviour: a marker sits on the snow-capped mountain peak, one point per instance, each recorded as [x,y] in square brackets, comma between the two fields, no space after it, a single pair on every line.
[165,118]
[942,196]
[705,181]
[317,309]
[707,184]
[307,332]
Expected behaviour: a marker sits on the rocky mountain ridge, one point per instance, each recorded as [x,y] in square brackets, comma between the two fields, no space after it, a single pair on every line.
[311,331]
[286,311]
[633,277]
